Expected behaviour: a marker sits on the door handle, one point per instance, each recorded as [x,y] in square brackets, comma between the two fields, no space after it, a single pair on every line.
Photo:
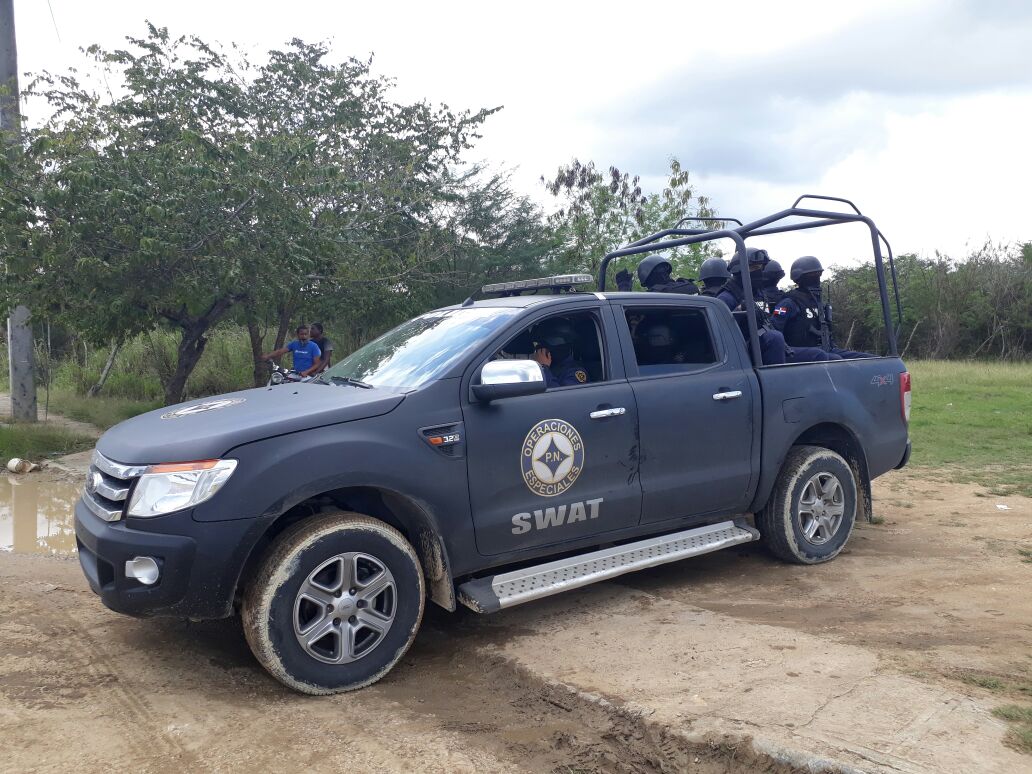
[731,395]
[610,412]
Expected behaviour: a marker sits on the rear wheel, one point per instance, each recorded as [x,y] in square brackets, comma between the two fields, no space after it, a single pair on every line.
[335,604]
[810,514]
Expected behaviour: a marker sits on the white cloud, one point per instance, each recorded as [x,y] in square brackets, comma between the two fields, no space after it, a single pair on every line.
[917,110]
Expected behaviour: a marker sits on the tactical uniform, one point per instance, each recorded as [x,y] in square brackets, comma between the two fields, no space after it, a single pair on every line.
[772,343]
[773,347]
[568,372]
[801,316]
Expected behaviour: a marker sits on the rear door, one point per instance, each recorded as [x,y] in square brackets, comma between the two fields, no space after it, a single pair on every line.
[561,465]
[697,412]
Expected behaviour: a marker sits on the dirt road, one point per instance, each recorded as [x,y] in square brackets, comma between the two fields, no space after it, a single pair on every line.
[712,654]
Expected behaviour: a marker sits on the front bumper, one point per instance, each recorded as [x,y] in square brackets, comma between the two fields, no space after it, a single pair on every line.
[200,563]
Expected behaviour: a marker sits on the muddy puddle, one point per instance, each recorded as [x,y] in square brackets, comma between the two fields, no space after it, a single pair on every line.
[36,515]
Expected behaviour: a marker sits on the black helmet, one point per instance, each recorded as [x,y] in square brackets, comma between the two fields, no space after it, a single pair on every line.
[773,274]
[754,255]
[649,265]
[808,264]
[558,335]
[714,268]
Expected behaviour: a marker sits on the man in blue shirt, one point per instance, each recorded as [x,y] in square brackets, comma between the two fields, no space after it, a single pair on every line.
[306,351]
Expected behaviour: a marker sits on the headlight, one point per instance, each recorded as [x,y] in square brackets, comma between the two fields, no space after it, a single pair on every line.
[173,487]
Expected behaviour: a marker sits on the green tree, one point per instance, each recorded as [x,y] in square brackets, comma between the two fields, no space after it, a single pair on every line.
[979,306]
[601,212]
[202,184]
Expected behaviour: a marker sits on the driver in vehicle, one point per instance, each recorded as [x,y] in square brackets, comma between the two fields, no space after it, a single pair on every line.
[553,343]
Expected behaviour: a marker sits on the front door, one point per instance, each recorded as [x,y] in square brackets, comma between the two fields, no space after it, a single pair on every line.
[554,467]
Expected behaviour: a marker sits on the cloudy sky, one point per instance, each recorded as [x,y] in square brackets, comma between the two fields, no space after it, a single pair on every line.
[919,111]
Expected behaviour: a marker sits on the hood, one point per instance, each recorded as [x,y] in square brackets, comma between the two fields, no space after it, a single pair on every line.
[207,428]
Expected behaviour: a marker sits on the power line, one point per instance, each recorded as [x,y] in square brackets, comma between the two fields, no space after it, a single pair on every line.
[54,20]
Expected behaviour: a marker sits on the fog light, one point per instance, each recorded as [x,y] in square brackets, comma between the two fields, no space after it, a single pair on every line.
[144,569]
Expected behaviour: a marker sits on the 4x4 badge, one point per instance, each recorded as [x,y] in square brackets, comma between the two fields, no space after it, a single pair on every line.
[552,457]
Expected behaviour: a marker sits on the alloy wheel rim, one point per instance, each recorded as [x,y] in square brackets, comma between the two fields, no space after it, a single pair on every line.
[821,508]
[345,607]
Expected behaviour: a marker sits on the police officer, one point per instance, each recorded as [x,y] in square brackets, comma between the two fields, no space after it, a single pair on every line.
[801,316]
[773,349]
[553,351]
[658,345]
[772,275]
[713,274]
[654,275]
[732,293]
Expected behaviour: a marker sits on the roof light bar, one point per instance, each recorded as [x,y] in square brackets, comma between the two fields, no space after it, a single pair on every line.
[556,281]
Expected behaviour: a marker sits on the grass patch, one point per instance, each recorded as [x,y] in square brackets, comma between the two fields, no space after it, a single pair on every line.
[983,681]
[1026,555]
[1021,738]
[1014,713]
[149,358]
[1019,735]
[34,441]
[1011,685]
[972,421]
[102,411]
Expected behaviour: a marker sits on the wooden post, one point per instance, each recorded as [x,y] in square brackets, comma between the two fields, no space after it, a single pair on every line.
[19,333]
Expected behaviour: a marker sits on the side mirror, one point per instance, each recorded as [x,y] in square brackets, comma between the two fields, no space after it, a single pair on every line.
[509,379]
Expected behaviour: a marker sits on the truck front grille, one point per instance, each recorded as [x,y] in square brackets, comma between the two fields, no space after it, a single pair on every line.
[108,484]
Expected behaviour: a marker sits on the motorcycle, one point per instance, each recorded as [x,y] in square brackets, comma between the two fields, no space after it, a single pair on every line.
[282,375]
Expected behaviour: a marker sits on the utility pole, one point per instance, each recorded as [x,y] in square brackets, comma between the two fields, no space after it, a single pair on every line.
[19,332]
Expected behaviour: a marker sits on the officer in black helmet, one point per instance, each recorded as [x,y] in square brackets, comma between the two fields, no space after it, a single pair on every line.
[773,348]
[772,275]
[554,341]
[800,315]
[713,274]
[732,293]
[654,275]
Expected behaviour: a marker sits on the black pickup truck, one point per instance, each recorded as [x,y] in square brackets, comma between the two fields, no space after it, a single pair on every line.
[435,462]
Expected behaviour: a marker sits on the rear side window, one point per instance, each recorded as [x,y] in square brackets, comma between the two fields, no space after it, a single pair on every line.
[668,341]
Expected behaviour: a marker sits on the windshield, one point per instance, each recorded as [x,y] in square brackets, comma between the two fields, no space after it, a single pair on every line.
[421,349]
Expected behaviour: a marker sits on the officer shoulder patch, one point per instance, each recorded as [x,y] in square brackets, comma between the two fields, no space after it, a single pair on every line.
[581,375]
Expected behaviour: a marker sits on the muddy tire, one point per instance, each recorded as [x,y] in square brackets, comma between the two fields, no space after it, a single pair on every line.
[335,603]
[810,514]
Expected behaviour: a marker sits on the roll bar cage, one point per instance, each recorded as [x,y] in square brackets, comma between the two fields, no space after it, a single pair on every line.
[770,225]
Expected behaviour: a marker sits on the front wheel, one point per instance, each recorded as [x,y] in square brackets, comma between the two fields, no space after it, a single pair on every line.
[810,514]
[335,604]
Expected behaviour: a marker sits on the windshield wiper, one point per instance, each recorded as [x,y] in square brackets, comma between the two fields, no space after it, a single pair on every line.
[349,380]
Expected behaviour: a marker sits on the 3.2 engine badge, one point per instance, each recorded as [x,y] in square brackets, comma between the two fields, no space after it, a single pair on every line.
[552,457]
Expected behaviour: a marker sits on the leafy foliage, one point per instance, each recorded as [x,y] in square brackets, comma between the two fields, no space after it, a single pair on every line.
[601,212]
[977,307]
[204,185]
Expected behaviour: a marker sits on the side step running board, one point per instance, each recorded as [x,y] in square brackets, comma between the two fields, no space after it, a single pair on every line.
[494,592]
